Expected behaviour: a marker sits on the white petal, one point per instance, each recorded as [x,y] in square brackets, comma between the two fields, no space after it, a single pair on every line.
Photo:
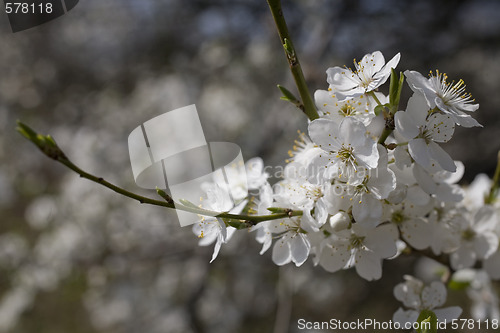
[385,72]
[223,229]
[441,127]
[322,132]
[367,154]
[424,180]
[405,125]
[402,157]
[433,295]
[418,83]
[321,211]
[216,249]
[323,98]
[467,121]
[341,78]
[372,63]
[449,193]
[352,132]
[256,177]
[264,237]
[417,196]
[381,242]
[382,183]
[367,210]
[442,157]
[448,314]
[409,293]
[416,232]
[281,251]
[334,258]
[405,316]
[419,150]
[464,257]
[300,248]
[485,244]
[485,219]
[417,108]
[368,265]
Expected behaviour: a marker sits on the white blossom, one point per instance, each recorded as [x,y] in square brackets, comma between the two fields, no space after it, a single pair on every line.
[346,147]
[450,98]
[417,296]
[370,73]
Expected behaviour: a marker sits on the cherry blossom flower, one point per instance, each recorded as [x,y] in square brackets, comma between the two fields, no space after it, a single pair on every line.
[424,131]
[255,173]
[450,98]
[213,229]
[361,107]
[417,296]
[485,303]
[478,239]
[413,227]
[370,73]
[363,193]
[346,147]
[363,248]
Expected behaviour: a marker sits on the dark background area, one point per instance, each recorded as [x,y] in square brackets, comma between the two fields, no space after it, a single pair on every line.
[75,257]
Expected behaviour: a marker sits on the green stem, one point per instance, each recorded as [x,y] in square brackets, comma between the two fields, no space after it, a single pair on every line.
[385,134]
[293,60]
[200,211]
[490,199]
[372,94]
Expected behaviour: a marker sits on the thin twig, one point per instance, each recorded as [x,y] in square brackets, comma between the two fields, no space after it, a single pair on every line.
[309,107]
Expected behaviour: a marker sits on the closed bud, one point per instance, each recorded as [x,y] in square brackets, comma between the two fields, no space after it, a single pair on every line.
[340,221]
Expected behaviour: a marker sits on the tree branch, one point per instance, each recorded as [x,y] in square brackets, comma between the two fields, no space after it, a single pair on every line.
[49,147]
[309,107]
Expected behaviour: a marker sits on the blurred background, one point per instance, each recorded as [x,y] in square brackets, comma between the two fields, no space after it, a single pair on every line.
[76,257]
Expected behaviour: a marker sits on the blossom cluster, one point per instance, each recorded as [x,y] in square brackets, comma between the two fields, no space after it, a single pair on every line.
[367,196]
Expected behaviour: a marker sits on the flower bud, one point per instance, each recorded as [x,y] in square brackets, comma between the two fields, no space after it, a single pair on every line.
[340,221]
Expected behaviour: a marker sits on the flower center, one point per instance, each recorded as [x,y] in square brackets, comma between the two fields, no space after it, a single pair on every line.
[450,93]
[468,234]
[347,110]
[346,154]
[426,135]
[398,217]
[365,80]
[357,241]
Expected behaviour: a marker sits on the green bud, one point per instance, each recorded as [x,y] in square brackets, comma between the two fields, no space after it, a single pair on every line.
[287,95]
[396,85]
[26,131]
[287,45]
[188,203]
[50,141]
[458,285]
[44,142]
[164,195]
